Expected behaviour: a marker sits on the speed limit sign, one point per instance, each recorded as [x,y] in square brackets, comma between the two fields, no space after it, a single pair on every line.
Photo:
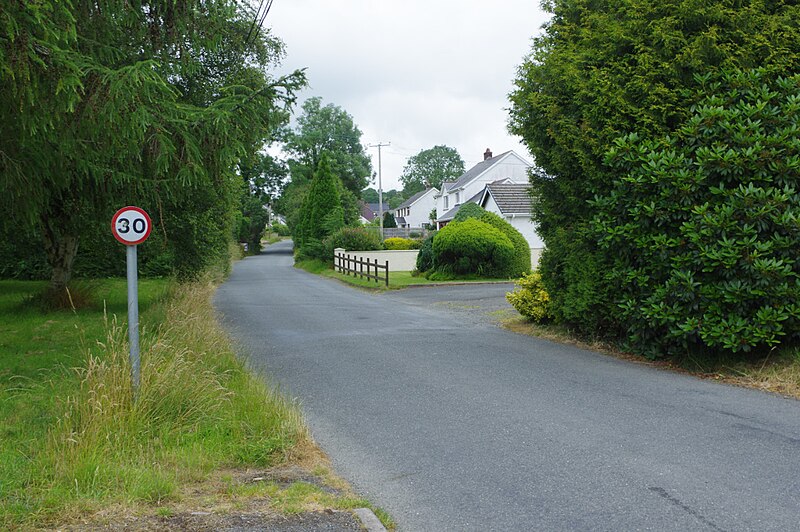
[131,226]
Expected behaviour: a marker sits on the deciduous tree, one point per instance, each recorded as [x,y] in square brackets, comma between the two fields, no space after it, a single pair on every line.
[330,130]
[430,168]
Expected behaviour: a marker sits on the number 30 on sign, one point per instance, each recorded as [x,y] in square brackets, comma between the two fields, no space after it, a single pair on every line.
[131,226]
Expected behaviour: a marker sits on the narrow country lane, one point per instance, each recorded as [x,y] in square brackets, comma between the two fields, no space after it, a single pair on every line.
[450,423]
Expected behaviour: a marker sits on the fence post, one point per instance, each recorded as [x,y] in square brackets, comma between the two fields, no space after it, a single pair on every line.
[387,274]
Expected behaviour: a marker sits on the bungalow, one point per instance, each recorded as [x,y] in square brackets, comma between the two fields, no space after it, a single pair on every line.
[507,167]
[416,210]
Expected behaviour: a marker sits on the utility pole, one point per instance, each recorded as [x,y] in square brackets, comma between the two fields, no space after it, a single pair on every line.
[380,183]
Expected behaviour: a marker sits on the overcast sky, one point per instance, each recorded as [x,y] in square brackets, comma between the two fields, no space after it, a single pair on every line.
[416,73]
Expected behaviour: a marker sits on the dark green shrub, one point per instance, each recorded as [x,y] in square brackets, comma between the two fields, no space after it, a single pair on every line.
[352,239]
[425,257]
[99,255]
[703,224]
[599,70]
[577,285]
[530,298]
[472,247]
[389,221]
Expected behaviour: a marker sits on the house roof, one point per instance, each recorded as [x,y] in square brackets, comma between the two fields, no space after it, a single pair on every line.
[510,197]
[366,212]
[477,170]
[449,215]
[410,201]
[375,208]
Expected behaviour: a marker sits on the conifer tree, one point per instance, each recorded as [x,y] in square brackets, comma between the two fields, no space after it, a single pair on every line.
[109,102]
[322,212]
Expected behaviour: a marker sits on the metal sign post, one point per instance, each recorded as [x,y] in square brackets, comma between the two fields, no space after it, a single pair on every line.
[131,226]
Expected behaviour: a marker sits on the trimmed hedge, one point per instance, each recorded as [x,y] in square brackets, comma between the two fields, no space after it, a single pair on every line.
[401,243]
[473,247]
[467,211]
[353,239]
[522,250]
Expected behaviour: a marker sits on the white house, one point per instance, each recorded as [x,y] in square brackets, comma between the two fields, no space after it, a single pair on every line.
[416,210]
[507,167]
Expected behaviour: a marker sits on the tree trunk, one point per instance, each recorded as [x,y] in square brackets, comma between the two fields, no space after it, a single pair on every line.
[61,248]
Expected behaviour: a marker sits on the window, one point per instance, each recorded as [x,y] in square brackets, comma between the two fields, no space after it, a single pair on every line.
[458,198]
[445,202]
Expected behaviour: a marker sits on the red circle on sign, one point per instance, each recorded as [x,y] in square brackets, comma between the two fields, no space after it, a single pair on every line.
[125,228]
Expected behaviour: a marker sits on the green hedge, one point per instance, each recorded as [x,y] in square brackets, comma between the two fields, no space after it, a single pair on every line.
[473,247]
[522,249]
[703,224]
[425,256]
[401,243]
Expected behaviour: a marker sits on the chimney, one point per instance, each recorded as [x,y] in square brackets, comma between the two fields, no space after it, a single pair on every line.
[487,154]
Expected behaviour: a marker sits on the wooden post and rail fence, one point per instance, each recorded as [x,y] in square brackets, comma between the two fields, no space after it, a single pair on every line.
[355,266]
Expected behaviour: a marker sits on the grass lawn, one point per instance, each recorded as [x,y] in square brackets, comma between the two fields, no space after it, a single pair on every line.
[397,280]
[74,443]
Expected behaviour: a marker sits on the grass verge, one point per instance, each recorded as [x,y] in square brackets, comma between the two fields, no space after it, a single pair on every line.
[397,280]
[75,442]
[777,372]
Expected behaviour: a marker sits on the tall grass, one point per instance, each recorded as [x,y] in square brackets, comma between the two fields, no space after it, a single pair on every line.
[197,409]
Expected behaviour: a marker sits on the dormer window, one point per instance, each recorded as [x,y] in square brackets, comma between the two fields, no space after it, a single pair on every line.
[458,198]
[446,202]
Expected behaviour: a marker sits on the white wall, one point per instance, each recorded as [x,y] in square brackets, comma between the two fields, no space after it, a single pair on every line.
[524,225]
[400,260]
[536,254]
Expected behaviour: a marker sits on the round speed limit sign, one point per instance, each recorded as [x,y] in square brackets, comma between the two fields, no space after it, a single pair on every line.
[131,226]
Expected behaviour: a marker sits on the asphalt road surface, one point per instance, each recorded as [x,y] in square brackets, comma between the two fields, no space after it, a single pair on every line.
[450,423]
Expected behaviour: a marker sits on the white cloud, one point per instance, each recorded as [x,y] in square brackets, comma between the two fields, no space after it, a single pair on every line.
[416,73]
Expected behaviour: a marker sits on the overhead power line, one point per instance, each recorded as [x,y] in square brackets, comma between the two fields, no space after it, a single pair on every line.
[258,20]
